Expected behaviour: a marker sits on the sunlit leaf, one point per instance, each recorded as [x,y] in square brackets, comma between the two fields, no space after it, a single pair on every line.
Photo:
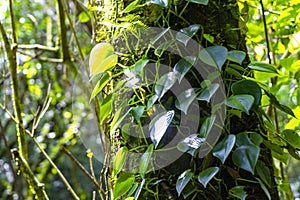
[206,175]
[236,56]
[241,102]
[263,67]
[185,34]
[185,99]
[133,5]
[203,2]
[165,83]
[238,192]
[123,184]
[223,148]
[183,180]
[145,159]
[190,144]
[118,118]
[292,137]
[218,54]
[208,37]
[100,85]
[106,108]
[159,125]
[120,159]
[83,17]
[183,66]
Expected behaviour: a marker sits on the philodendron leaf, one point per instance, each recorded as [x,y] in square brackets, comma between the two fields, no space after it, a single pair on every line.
[247,87]
[183,66]
[190,144]
[207,125]
[138,68]
[223,148]
[262,185]
[120,160]
[238,192]
[163,3]
[183,180]
[246,156]
[185,34]
[164,83]
[236,56]
[203,2]
[145,159]
[278,105]
[241,102]
[263,172]
[206,175]
[123,184]
[102,57]
[137,112]
[208,92]
[263,67]
[292,137]
[106,108]
[100,85]
[159,125]
[185,99]
[151,101]
[218,54]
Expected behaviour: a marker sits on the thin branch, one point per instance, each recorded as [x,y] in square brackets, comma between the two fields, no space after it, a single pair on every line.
[37,47]
[40,58]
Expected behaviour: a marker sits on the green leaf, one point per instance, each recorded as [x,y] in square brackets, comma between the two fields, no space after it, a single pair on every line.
[185,34]
[264,188]
[283,156]
[156,38]
[83,17]
[120,159]
[185,99]
[106,108]
[100,85]
[278,105]
[138,68]
[162,48]
[208,92]
[138,112]
[218,54]
[118,118]
[183,66]
[151,101]
[236,56]
[123,184]
[102,58]
[164,83]
[243,139]
[145,159]
[263,172]
[159,125]
[203,2]
[183,180]
[292,137]
[190,144]
[207,125]
[263,67]
[188,190]
[256,138]
[133,5]
[241,102]
[238,192]
[163,3]
[247,87]
[223,148]
[206,175]
[246,156]
[208,37]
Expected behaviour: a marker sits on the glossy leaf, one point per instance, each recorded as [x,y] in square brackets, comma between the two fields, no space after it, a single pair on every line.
[246,156]
[123,184]
[247,87]
[223,148]
[206,175]
[102,57]
[185,99]
[209,38]
[159,125]
[100,85]
[218,54]
[133,5]
[292,137]
[241,102]
[183,180]
[238,192]
[203,2]
[207,126]
[163,3]
[190,144]
[236,56]
[145,159]
[120,159]
[208,92]
[151,101]
[164,84]
[137,112]
[185,34]
[106,108]
[183,66]
[263,67]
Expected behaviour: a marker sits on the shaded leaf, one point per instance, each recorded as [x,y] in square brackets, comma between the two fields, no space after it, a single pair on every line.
[183,66]
[138,112]
[159,125]
[118,118]
[164,83]
[151,101]
[278,105]
[292,137]
[206,175]
[156,38]
[263,172]
[207,125]
[123,184]
[188,190]
[241,102]
[185,34]
[263,67]
[223,148]
[208,92]
[238,192]
[138,68]
[243,139]
[236,56]
[264,188]
[185,99]
[145,159]
[203,2]
[163,3]
[190,144]
[183,180]
[218,54]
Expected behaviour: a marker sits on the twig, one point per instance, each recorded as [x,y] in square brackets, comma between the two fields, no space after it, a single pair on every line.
[40,58]
[37,47]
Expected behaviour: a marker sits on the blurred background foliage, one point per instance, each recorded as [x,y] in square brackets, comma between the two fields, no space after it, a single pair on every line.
[40,66]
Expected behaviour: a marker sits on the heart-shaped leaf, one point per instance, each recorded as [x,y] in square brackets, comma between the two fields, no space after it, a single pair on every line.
[102,57]
[218,54]
[120,159]
[246,156]
[236,56]
[263,67]
[207,126]
[203,2]
[190,144]
[185,34]
[183,66]
[206,175]
[243,139]
[241,102]
[164,83]
[208,92]
[223,148]
[151,101]
[185,99]
[137,112]
[183,180]
[123,184]
[159,125]
[145,159]
[238,192]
